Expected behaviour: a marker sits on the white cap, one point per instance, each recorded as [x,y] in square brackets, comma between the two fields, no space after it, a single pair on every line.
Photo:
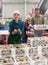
[16,12]
[28,17]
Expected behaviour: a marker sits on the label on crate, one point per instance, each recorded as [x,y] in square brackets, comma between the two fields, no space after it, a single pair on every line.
[39,50]
[39,64]
[0,54]
[13,52]
[1,64]
[26,51]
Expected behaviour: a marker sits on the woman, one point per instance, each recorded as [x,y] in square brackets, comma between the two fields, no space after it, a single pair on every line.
[27,28]
[16,29]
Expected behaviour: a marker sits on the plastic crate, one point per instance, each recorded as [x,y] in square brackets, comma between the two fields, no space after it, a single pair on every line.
[7,61]
[19,50]
[37,41]
[41,62]
[45,51]
[38,60]
[5,50]
[31,50]
[23,60]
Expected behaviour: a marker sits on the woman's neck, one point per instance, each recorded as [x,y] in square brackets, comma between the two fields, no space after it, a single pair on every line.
[16,20]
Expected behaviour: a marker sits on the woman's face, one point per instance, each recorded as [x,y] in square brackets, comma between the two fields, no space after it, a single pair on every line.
[16,16]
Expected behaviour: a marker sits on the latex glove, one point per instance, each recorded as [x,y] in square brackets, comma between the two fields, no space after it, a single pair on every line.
[30,25]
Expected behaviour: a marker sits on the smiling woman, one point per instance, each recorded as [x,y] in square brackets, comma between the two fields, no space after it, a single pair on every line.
[16,26]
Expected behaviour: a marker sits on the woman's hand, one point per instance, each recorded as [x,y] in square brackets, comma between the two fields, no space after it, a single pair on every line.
[16,31]
[13,32]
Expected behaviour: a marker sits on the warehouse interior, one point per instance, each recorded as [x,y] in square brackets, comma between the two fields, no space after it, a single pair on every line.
[24,6]
[23,32]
